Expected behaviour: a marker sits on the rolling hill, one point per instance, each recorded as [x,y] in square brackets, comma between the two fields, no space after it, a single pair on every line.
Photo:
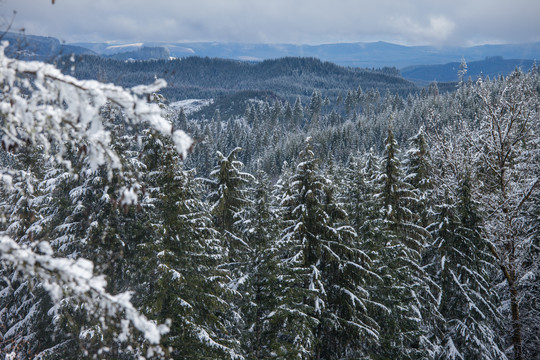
[196,77]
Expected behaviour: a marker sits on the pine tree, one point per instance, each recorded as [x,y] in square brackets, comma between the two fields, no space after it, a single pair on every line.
[360,189]
[183,283]
[315,106]
[230,196]
[298,114]
[418,170]
[260,283]
[229,191]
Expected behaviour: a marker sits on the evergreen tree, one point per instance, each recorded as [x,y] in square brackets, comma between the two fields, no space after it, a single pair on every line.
[406,288]
[468,302]
[229,198]
[183,284]
[315,106]
[228,190]
[25,322]
[360,190]
[322,304]
[418,170]
[298,114]
[259,286]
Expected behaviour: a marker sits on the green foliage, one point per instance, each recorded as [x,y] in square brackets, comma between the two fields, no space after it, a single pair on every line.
[181,282]
[323,307]
[405,290]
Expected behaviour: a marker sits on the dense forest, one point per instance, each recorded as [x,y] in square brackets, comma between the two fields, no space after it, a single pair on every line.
[338,225]
[196,77]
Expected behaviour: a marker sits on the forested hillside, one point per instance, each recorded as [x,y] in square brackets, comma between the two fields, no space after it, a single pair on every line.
[195,77]
[341,224]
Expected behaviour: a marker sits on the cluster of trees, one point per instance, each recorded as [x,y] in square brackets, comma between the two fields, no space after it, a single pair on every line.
[356,251]
[272,130]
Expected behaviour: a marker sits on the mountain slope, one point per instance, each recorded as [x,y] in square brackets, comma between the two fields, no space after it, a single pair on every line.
[31,47]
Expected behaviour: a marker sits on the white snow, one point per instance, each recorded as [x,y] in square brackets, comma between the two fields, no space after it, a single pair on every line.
[190,105]
[138,45]
[61,275]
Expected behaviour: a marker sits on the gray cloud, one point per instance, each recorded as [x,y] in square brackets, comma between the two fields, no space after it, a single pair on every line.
[434,22]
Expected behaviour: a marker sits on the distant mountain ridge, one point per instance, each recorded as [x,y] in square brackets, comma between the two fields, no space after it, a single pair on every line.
[420,64]
[31,47]
[376,54]
[490,66]
[206,78]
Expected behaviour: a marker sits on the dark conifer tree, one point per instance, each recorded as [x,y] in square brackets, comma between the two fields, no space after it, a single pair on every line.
[183,282]
[258,288]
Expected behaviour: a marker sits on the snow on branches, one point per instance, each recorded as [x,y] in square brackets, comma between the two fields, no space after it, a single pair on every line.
[40,106]
[68,277]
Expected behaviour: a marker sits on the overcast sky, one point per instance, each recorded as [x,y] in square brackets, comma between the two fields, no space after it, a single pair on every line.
[408,22]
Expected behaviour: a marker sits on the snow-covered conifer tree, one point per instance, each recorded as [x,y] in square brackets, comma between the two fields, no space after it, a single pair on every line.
[43,109]
[322,305]
[464,268]
[400,241]
[182,282]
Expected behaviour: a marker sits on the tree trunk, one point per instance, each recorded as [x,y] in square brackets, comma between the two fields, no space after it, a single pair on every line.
[514,306]
[516,323]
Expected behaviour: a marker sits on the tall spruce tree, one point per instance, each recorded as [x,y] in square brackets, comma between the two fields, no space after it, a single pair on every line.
[322,304]
[183,283]
[399,244]
[229,198]
[259,230]
[464,265]
[418,170]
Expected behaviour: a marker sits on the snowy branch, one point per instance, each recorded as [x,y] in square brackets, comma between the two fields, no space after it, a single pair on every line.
[67,277]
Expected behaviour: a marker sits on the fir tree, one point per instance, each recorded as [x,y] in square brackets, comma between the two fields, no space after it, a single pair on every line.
[184,284]
[298,114]
[418,170]
[259,287]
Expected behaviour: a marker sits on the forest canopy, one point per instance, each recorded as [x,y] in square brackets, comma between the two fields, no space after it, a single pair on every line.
[349,225]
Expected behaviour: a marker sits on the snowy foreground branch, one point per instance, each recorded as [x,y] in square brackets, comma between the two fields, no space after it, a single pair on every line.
[67,277]
[41,106]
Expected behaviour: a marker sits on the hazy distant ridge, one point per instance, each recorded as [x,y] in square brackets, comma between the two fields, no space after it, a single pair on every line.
[30,47]
[421,64]
[377,54]
[491,66]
